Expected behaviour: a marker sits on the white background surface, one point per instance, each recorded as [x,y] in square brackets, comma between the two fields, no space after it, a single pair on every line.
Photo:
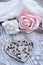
[37,38]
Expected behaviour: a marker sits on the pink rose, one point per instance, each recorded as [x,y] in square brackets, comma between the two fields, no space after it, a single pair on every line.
[28,21]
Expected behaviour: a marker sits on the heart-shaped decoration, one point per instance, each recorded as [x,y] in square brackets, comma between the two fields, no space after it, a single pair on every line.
[20,50]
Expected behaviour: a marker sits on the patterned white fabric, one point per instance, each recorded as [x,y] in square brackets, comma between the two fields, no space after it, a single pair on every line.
[13,8]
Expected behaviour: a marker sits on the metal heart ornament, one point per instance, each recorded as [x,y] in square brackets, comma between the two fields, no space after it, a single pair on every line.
[20,50]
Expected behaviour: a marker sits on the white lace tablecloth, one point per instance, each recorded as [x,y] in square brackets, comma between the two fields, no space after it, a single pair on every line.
[37,55]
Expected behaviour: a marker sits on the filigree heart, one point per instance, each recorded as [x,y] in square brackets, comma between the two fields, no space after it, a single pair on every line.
[20,50]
